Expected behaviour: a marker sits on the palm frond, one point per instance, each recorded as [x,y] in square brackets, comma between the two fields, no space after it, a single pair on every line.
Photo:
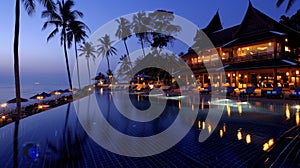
[52,34]
[29,6]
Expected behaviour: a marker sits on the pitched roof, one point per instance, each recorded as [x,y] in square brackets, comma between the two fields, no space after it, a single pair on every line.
[214,25]
[255,26]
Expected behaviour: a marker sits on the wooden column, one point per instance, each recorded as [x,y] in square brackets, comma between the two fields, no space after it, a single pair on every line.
[230,79]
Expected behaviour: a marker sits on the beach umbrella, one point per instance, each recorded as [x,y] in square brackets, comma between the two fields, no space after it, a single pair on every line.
[44,94]
[14,100]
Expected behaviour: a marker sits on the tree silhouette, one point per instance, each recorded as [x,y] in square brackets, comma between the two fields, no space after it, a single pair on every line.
[62,20]
[140,23]
[77,33]
[89,51]
[289,5]
[106,50]
[30,9]
[124,32]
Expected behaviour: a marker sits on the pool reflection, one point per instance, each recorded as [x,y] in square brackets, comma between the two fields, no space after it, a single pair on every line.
[237,140]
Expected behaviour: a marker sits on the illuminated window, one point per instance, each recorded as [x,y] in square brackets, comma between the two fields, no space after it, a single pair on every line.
[287,49]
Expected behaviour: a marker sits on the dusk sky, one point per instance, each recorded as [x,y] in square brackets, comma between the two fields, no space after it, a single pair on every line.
[39,58]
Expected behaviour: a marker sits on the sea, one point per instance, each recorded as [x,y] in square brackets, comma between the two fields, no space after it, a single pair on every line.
[7,91]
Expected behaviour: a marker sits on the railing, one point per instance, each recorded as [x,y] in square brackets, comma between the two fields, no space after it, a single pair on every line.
[247,58]
[252,57]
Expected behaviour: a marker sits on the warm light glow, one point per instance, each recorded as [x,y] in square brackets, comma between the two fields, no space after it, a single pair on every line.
[286,48]
[199,124]
[3,117]
[223,54]
[246,76]
[262,48]
[240,110]
[265,146]
[209,128]
[271,142]
[208,77]
[240,75]
[286,40]
[221,133]
[202,104]
[218,77]
[139,98]
[3,105]
[90,89]
[297,117]
[287,112]
[228,111]
[179,76]
[287,73]
[203,125]
[193,107]
[233,74]
[101,91]
[239,135]
[270,43]
[192,76]
[39,97]
[179,104]
[40,106]
[248,49]
[271,107]
[228,74]
[57,93]
[239,49]
[297,72]
[224,127]
[248,138]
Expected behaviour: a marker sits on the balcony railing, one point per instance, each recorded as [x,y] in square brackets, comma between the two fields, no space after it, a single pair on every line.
[252,57]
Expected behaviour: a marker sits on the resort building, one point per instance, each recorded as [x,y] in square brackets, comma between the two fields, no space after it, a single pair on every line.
[259,51]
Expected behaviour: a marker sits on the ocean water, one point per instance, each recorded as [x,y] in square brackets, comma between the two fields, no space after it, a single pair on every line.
[7,91]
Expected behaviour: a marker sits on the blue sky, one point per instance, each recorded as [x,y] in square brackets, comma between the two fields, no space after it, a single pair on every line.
[39,59]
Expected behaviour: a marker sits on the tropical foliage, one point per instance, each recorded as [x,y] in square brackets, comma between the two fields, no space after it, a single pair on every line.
[89,51]
[65,21]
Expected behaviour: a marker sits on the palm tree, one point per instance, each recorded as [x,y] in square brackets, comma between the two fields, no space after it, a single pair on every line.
[125,65]
[62,21]
[106,49]
[30,9]
[124,32]
[77,33]
[289,5]
[140,25]
[88,50]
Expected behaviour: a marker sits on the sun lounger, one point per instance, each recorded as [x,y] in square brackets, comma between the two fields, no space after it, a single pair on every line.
[206,91]
[248,92]
[296,93]
[169,88]
[276,92]
[229,91]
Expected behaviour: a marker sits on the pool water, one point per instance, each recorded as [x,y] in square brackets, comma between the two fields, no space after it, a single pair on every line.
[56,138]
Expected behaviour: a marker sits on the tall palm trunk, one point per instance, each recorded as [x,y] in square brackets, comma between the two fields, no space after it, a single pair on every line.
[125,44]
[17,80]
[89,71]
[67,59]
[77,64]
[108,63]
[142,43]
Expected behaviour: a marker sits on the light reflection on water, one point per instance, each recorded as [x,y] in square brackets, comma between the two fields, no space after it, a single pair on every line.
[258,126]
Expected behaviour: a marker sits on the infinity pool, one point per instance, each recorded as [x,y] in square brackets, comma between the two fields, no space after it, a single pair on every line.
[56,138]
